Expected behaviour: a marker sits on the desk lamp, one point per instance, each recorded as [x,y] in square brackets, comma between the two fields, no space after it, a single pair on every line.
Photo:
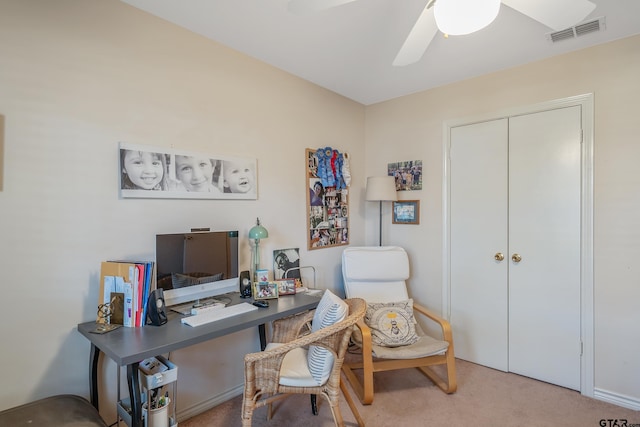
[256,233]
[381,189]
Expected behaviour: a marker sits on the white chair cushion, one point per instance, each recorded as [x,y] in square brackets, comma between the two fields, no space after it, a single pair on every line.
[376,274]
[425,346]
[331,309]
[294,370]
[379,263]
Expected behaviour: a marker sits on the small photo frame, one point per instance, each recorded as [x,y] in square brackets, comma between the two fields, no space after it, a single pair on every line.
[265,290]
[286,286]
[407,174]
[262,275]
[286,263]
[406,212]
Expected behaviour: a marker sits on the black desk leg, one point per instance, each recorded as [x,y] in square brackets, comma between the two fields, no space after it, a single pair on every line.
[263,337]
[314,404]
[94,355]
[134,394]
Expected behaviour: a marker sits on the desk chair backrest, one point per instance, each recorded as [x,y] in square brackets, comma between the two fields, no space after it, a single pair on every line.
[375,273]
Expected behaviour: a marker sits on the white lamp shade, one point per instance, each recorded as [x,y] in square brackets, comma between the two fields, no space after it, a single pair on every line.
[381,188]
[460,17]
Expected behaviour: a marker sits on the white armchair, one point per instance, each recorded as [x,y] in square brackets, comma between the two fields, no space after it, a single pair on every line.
[378,275]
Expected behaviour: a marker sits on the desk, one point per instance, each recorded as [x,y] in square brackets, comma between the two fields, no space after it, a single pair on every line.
[129,346]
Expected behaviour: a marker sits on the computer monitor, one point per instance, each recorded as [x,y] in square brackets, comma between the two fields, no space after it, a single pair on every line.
[197,265]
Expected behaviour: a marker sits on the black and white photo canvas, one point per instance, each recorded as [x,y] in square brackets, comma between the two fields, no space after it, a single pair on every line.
[286,259]
[152,172]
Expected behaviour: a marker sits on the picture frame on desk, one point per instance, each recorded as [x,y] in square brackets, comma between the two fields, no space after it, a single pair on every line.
[262,275]
[265,290]
[286,286]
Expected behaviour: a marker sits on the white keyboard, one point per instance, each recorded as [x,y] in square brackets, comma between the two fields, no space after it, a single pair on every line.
[218,314]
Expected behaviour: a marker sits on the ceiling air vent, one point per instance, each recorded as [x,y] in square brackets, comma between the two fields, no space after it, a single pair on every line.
[594,25]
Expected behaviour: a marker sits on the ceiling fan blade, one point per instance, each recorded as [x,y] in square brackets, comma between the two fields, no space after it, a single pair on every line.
[555,14]
[418,39]
[301,7]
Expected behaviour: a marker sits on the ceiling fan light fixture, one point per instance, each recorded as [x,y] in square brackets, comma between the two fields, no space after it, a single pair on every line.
[460,17]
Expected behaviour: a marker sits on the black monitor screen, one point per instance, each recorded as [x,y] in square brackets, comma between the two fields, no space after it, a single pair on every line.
[188,259]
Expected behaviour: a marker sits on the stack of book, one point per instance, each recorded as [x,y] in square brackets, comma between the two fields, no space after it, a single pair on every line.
[125,286]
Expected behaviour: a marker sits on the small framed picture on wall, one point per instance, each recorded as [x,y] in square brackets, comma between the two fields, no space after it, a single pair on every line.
[406,212]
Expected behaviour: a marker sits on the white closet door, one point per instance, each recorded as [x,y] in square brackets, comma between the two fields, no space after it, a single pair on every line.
[515,189]
[479,231]
[544,230]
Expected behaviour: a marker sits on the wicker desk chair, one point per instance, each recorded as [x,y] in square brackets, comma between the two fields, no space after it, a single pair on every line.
[262,370]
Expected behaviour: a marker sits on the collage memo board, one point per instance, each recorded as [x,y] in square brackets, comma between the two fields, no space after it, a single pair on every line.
[327,206]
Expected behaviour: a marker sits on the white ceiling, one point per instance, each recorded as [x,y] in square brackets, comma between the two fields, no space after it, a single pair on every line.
[349,49]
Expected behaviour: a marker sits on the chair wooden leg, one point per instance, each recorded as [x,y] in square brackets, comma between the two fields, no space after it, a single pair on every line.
[248,405]
[269,411]
[351,403]
[356,385]
[367,379]
[451,372]
[335,411]
[247,416]
[450,385]
[363,392]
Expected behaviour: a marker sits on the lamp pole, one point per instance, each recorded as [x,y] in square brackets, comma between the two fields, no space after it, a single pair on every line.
[380,233]
[256,258]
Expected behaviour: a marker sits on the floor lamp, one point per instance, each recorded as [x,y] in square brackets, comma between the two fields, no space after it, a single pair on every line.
[381,189]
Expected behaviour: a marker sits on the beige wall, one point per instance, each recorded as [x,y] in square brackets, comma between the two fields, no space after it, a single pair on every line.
[77,77]
[411,128]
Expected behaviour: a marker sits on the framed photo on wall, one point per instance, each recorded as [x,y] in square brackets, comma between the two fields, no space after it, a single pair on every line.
[327,199]
[406,212]
[163,173]
[408,174]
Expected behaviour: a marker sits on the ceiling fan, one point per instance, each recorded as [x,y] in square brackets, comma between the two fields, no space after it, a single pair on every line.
[447,16]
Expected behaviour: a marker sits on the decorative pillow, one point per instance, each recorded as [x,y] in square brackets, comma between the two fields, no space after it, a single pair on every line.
[392,324]
[330,310]
[183,280]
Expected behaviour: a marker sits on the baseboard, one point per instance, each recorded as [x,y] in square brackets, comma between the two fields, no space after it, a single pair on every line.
[617,399]
[201,407]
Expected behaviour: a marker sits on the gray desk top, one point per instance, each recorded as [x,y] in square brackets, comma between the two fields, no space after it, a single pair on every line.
[129,345]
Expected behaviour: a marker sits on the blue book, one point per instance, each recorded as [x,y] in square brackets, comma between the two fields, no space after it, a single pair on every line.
[148,275]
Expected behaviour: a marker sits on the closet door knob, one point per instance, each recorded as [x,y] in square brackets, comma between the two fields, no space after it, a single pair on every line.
[499,256]
[516,258]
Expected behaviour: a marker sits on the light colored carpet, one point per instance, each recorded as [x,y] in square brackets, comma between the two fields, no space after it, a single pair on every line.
[485,397]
